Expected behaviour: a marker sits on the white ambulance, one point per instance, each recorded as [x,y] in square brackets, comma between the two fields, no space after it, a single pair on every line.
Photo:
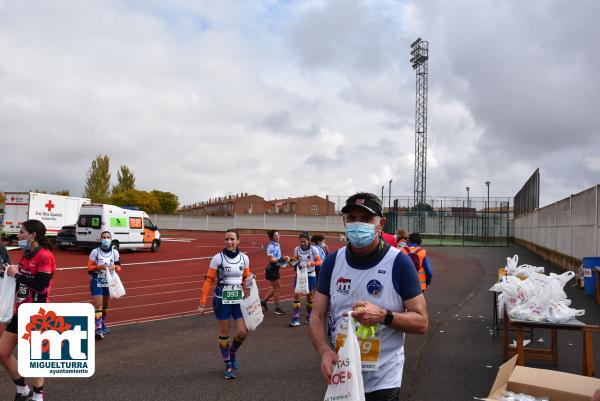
[130,229]
[55,211]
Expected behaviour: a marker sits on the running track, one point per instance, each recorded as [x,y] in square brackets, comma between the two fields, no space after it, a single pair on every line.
[167,283]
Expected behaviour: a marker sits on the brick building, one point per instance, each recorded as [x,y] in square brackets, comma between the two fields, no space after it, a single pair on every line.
[254,204]
[302,206]
[226,206]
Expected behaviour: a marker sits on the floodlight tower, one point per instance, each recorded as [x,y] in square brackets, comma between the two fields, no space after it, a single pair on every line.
[420,55]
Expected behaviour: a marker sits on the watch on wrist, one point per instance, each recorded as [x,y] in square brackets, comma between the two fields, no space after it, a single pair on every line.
[389,317]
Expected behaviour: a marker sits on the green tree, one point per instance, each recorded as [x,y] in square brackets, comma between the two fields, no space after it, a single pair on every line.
[132,197]
[125,180]
[97,184]
[167,200]
[64,192]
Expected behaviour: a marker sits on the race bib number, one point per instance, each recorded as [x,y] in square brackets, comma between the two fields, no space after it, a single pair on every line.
[232,294]
[22,293]
[369,349]
[101,280]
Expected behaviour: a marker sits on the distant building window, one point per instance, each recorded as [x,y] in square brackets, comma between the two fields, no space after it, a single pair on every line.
[314,208]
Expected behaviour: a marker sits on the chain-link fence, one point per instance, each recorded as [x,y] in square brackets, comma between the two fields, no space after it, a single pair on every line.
[449,220]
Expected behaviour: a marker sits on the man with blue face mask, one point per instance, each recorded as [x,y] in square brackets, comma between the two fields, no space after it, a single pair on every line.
[380,284]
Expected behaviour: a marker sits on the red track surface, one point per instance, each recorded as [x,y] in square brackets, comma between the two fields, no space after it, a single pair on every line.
[166,283]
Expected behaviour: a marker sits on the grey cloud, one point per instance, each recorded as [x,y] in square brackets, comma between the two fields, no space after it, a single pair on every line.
[281,122]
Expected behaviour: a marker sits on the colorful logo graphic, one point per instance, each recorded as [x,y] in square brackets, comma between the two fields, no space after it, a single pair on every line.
[56,340]
[374,288]
[343,285]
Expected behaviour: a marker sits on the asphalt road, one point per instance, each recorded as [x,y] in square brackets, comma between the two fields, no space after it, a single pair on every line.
[178,359]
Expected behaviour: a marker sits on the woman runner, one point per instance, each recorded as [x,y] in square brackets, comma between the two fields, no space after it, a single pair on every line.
[102,258]
[275,263]
[34,276]
[229,268]
[308,258]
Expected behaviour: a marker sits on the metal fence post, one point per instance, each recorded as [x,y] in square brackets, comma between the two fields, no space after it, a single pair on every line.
[295,225]
[235,220]
[264,221]
[180,221]
[206,222]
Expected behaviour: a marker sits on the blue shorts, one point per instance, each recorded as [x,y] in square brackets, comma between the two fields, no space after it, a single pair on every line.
[95,290]
[228,311]
[312,283]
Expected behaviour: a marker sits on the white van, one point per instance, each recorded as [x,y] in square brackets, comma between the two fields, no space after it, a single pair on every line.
[55,211]
[130,229]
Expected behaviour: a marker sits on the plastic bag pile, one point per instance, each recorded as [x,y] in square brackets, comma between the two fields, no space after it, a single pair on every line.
[510,396]
[528,294]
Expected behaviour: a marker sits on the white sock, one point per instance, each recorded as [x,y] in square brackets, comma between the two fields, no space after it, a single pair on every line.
[38,396]
[23,390]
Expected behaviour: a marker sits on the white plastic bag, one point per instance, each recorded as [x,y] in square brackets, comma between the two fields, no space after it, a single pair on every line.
[7,298]
[251,308]
[115,286]
[558,312]
[301,280]
[346,380]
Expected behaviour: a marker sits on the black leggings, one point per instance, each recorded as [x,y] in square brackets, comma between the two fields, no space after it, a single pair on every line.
[388,394]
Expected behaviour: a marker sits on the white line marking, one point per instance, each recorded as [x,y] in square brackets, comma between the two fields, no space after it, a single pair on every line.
[150,262]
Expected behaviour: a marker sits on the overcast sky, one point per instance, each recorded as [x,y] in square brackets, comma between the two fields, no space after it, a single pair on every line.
[278,98]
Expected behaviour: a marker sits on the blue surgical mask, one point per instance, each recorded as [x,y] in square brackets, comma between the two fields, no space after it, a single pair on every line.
[105,243]
[360,235]
[24,244]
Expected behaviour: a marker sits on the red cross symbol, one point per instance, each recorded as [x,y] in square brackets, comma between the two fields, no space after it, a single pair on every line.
[12,199]
[49,205]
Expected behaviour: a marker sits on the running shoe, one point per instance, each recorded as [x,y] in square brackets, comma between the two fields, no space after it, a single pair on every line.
[99,334]
[264,305]
[229,373]
[279,311]
[21,397]
[307,322]
[295,322]
[234,364]
[105,330]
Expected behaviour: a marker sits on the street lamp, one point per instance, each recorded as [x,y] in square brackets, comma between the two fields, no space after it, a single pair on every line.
[383,186]
[487,211]
[390,196]
[468,202]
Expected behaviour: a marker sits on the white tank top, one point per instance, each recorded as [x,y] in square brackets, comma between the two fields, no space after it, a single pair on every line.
[232,270]
[307,256]
[348,286]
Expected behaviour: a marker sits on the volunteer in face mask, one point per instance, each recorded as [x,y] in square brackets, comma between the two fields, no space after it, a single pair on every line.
[102,258]
[34,276]
[381,285]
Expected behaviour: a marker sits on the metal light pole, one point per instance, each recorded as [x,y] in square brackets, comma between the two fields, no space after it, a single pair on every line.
[468,202]
[390,196]
[383,186]
[419,55]
[487,211]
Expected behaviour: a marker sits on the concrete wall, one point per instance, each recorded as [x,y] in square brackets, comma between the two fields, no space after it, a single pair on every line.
[565,231]
[252,222]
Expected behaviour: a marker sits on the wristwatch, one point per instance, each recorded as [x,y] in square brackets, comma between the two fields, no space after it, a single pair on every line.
[389,317]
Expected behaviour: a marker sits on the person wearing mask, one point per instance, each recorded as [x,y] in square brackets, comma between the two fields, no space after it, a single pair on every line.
[402,238]
[318,241]
[34,276]
[420,260]
[275,262]
[101,259]
[229,268]
[380,285]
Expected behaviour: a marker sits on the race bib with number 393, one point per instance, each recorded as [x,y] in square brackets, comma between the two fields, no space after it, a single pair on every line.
[232,294]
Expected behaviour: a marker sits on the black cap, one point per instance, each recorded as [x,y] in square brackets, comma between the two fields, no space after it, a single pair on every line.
[366,201]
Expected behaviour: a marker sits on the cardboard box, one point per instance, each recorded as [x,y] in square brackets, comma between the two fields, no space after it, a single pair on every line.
[558,386]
